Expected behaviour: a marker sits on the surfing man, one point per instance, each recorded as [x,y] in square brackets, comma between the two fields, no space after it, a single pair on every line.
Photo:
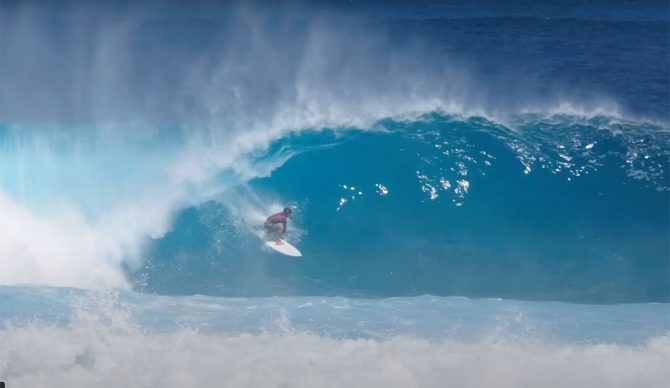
[276,223]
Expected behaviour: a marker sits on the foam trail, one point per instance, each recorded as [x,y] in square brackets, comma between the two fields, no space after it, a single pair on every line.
[105,344]
[85,356]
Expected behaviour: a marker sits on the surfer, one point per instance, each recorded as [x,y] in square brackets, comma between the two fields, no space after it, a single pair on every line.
[276,223]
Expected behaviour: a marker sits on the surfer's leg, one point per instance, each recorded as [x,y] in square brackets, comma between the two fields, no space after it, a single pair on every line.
[273,230]
[270,231]
[278,228]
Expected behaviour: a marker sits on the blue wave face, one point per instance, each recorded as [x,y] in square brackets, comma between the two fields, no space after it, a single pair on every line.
[561,208]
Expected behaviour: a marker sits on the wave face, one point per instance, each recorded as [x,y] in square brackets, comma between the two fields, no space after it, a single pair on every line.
[559,208]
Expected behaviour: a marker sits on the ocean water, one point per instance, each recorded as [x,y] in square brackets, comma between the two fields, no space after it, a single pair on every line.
[480,191]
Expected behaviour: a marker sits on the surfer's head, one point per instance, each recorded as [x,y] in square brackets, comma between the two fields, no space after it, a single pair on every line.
[288,211]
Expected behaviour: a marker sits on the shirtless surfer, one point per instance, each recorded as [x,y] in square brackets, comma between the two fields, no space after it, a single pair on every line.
[276,223]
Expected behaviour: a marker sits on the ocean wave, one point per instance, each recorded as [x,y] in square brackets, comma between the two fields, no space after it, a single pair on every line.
[69,189]
[114,151]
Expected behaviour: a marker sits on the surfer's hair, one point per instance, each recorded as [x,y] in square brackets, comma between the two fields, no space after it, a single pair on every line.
[287,210]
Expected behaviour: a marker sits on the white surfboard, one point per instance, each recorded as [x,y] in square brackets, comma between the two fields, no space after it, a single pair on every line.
[284,248]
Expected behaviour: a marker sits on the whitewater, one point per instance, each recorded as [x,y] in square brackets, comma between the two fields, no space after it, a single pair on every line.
[480,193]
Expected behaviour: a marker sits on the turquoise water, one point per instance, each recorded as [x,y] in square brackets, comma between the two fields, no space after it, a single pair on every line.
[555,209]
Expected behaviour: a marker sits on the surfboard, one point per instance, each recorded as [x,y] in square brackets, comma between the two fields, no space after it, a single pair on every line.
[285,248]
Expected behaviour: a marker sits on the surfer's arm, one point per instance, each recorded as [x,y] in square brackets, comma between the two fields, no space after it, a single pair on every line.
[284,224]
